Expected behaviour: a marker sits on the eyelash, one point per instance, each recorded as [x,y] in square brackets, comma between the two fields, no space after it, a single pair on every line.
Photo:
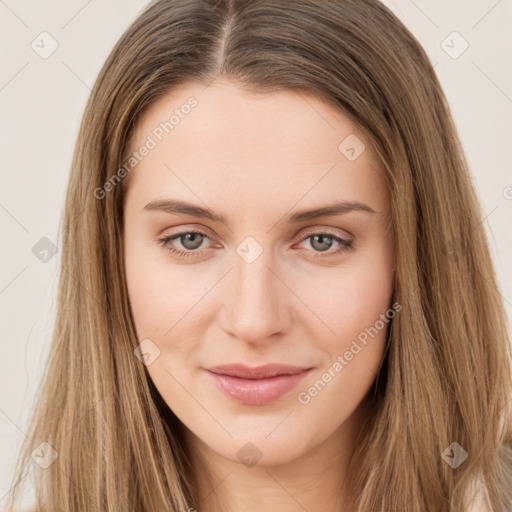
[345,245]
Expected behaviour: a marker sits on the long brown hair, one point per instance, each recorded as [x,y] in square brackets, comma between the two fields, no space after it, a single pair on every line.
[446,377]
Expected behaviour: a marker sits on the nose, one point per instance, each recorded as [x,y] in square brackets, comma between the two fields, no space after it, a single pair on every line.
[257,303]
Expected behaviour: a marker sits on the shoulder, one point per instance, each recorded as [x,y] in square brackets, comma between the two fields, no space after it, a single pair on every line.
[33,508]
[478,497]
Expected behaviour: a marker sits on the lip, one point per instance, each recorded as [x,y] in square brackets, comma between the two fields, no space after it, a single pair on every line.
[260,385]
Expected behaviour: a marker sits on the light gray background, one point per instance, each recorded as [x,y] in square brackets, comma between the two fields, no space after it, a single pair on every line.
[42,100]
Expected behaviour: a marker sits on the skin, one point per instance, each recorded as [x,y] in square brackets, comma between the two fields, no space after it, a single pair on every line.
[256,159]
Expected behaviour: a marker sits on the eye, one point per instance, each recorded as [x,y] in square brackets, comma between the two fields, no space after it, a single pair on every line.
[322,241]
[190,241]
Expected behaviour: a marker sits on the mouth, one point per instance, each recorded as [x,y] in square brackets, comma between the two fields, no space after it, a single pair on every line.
[257,386]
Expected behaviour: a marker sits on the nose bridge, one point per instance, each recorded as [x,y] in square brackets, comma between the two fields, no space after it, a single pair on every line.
[256,306]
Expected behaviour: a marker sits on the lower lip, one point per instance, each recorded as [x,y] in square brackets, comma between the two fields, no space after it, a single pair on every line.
[257,391]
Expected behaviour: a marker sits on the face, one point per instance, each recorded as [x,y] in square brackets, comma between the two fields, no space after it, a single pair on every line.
[225,267]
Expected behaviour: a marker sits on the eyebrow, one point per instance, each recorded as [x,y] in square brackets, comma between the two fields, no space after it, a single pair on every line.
[183,207]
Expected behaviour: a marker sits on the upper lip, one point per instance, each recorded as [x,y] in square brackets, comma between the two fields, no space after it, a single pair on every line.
[258,372]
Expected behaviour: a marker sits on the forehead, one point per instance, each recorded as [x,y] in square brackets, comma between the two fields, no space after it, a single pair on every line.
[221,142]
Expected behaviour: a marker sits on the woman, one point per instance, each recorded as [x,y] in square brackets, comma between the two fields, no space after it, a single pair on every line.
[276,290]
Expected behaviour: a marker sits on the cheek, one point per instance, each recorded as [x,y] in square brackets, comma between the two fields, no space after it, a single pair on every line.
[347,301]
[160,293]
[356,307]
[354,304]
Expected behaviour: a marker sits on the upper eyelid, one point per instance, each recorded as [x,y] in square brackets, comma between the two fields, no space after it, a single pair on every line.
[310,229]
